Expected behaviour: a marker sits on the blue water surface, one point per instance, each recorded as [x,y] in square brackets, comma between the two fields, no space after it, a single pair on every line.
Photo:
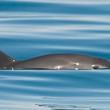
[30,28]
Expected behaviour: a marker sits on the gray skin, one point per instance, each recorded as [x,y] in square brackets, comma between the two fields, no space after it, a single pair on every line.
[58,61]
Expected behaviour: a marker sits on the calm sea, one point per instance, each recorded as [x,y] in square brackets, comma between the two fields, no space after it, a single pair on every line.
[30,28]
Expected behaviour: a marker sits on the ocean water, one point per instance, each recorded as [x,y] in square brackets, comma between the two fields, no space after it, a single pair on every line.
[30,28]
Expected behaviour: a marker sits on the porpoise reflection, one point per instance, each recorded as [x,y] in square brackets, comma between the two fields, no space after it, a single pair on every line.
[55,61]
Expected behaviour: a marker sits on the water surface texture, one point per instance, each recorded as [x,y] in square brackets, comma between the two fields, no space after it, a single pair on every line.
[30,28]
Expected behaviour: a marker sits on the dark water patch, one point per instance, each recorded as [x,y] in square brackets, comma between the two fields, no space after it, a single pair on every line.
[65,107]
[53,22]
[51,8]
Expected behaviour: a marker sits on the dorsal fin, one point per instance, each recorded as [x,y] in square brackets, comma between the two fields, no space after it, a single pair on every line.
[4,59]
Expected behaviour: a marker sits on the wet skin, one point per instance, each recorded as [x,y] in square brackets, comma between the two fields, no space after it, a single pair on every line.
[56,61]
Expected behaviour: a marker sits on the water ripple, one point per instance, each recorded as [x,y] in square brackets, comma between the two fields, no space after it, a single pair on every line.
[30,28]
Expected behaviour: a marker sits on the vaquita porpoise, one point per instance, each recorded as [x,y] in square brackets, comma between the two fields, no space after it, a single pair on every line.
[55,61]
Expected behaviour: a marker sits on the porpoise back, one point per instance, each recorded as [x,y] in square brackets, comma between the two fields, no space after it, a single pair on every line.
[56,61]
